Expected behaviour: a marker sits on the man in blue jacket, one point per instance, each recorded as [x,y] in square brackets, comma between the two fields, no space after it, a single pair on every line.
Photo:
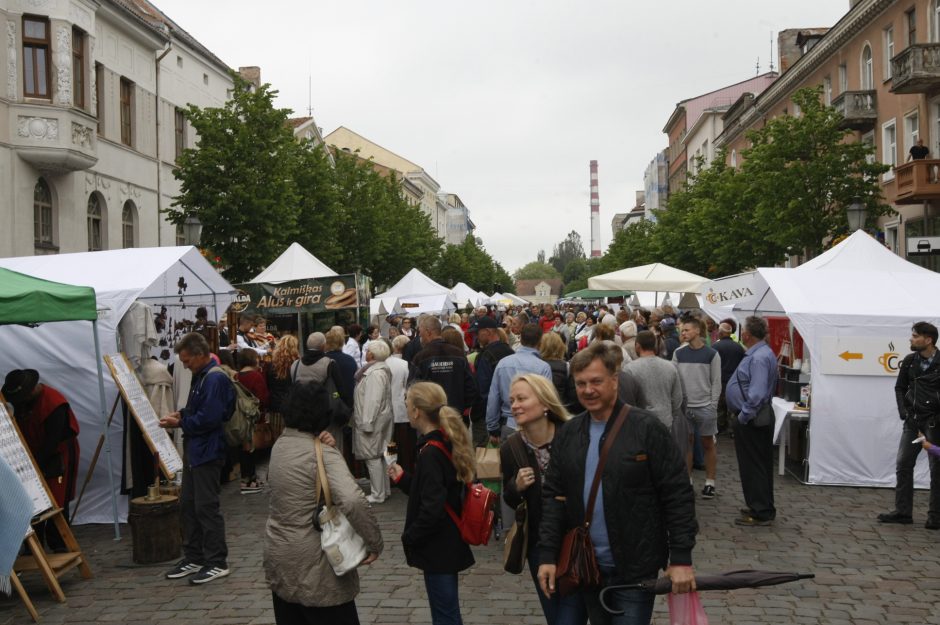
[210,404]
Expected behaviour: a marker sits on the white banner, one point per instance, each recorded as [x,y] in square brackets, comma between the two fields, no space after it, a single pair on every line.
[862,355]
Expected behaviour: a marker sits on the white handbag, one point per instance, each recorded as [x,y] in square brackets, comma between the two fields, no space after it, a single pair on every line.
[343,547]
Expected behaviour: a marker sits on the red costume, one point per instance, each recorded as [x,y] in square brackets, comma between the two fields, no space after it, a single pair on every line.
[58,462]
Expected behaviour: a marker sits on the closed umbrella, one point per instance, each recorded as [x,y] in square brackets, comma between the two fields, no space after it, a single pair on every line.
[719,581]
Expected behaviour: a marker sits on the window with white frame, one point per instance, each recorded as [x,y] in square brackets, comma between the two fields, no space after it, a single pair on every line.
[868,76]
[889,147]
[888,36]
[734,159]
[843,78]
[827,91]
[96,222]
[891,237]
[911,130]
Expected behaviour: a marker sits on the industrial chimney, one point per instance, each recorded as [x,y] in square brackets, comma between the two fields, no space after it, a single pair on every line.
[595,214]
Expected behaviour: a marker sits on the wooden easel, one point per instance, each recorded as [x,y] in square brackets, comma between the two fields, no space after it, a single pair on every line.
[18,586]
[51,566]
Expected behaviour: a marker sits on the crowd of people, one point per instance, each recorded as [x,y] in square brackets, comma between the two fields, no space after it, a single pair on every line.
[404,404]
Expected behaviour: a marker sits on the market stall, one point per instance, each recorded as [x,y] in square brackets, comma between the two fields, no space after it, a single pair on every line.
[418,294]
[316,304]
[467,297]
[854,307]
[174,279]
[658,279]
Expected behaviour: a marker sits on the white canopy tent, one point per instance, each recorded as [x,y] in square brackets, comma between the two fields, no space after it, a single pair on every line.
[294,263]
[64,353]
[418,294]
[465,296]
[515,299]
[654,277]
[854,307]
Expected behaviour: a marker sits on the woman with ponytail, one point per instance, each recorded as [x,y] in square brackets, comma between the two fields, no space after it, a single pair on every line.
[431,539]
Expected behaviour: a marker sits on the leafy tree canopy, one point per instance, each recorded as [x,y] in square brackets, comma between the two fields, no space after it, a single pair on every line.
[536,270]
[567,251]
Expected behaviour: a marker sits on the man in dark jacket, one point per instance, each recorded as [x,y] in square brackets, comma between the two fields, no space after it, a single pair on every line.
[731,354]
[210,404]
[494,350]
[644,513]
[918,396]
[444,364]
[315,367]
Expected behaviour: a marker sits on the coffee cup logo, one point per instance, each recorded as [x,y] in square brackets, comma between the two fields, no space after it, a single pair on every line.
[889,359]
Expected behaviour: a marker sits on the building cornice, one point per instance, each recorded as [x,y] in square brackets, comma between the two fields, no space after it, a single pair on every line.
[850,25]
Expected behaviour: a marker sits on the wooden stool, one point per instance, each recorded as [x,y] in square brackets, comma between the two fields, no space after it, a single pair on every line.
[155,529]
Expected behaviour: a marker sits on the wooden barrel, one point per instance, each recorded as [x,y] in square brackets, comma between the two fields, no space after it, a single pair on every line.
[155,529]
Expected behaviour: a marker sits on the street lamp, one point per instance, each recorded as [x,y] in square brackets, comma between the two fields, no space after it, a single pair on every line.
[856,215]
[192,229]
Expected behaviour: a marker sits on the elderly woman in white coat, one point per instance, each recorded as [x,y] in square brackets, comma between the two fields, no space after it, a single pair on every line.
[304,587]
[373,418]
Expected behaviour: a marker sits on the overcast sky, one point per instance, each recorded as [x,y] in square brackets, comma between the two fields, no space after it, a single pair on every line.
[505,102]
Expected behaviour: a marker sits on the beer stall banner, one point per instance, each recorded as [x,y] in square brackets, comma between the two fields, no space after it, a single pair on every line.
[301,296]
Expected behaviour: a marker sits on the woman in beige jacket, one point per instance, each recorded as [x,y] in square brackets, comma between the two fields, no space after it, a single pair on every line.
[373,418]
[303,585]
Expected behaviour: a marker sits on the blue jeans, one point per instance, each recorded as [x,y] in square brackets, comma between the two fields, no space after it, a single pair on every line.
[442,596]
[637,605]
[558,610]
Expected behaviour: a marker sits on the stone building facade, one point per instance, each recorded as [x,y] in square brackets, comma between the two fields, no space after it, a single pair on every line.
[91,103]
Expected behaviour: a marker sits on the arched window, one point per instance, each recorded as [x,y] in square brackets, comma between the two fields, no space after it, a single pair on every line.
[868,80]
[43,215]
[734,159]
[97,232]
[129,225]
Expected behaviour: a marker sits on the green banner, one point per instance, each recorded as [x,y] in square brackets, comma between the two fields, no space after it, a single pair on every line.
[301,296]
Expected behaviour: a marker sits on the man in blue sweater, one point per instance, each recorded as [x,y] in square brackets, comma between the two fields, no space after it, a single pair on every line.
[210,404]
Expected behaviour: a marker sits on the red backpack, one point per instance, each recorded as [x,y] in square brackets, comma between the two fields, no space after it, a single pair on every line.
[476,520]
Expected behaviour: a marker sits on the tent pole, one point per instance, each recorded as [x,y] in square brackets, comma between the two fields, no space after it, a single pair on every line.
[104,430]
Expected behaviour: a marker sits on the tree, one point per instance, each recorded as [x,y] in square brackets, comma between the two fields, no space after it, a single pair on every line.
[569,250]
[540,257]
[469,263]
[380,233]
[802,174]
[578,271]
[239,180]
[536,270]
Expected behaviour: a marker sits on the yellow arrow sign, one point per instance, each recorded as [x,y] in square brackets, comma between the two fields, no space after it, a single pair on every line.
[847,356]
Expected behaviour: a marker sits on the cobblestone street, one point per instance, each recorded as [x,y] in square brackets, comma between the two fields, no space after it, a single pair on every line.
[866,573]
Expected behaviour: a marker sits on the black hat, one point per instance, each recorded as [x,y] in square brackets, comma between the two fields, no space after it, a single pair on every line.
[19,385]
[486,323]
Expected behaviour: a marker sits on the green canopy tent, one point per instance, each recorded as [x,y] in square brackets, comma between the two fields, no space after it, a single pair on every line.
[597,294]
[25,300]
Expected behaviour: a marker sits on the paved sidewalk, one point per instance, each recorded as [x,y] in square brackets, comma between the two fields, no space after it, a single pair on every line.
[866,573]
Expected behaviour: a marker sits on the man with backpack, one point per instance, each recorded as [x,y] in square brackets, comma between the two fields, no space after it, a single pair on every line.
[318,368]
[210,404]
[493,350]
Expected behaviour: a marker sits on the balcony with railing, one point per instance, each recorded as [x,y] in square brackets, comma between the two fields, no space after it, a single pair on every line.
[859,108]
[916,69]
[917,181]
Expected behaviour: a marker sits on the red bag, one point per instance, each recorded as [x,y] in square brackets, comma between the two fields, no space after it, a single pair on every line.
[686,609]
[476,519]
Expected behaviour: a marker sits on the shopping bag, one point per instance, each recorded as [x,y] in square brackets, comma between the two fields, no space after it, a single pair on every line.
[487,463]
[686,609]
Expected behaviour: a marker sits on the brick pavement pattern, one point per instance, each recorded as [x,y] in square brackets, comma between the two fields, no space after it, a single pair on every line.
[866,573]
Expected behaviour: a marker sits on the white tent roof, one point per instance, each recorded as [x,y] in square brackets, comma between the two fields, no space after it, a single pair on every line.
[864,298]
[465,296]
[64,353]
[382,306]
[655,277]
[415,283]
[515,298]
[295,263]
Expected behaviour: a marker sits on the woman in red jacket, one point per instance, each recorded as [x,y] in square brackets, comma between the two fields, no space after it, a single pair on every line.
[249,374]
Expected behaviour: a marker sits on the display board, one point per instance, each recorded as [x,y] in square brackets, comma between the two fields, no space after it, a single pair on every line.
[133,393]
[863,355]
[302,296]
[13,449]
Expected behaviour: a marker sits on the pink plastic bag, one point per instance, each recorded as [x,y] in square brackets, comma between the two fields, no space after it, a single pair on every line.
[686,609]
